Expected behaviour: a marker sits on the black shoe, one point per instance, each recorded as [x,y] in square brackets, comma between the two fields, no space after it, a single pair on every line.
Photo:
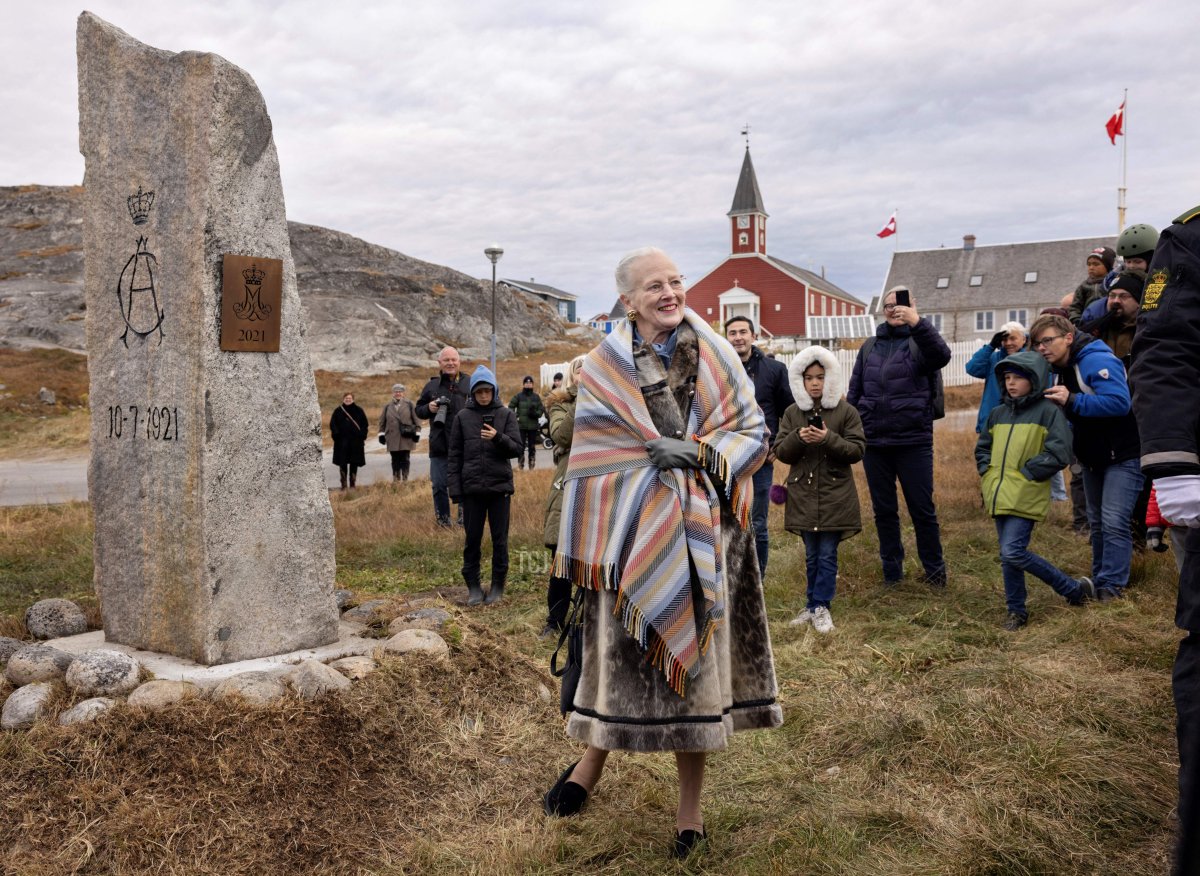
[1015,621]
[1087,590]
[892,583]
[549,631]
[565,798]
[688,840]
[495,594]
[1108,594]
[474,594]
[936,581]
[444,522]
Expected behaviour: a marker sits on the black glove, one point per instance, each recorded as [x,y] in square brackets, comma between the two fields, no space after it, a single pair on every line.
[997,340]
[674,453]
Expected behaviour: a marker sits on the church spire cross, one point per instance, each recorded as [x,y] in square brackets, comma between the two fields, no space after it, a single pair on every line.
[746,134]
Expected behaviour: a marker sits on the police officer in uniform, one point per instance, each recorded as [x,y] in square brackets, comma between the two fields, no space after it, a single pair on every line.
[1166,399]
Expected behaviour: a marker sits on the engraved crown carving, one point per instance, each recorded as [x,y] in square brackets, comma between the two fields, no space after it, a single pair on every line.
[139,206]
[253,275]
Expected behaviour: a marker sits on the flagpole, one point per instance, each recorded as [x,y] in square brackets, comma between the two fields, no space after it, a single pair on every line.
[896,242]
[1124,161]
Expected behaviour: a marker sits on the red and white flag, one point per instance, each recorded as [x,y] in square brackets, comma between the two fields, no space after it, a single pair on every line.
[889,229]
[1115,125]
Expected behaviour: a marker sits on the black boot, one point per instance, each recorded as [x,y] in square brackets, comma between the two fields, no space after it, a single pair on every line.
[474,593]
[495,594]
[342,472]
[353,477]
[404,473]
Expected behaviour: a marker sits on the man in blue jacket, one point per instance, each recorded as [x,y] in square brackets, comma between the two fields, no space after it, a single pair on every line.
[894,389]
[1094,394]
[774,395]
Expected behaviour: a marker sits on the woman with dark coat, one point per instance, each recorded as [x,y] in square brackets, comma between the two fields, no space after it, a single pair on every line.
[349,426]
[400,430]
[560,407]
[484,439]
[655,527]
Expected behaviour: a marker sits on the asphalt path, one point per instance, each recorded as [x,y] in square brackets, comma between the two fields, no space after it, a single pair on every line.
[26,482]
[29,482]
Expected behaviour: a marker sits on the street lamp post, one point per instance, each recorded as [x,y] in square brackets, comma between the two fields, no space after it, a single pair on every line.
[494,252]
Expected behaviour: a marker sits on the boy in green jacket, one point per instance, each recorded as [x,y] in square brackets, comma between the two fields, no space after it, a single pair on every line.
[1026,440]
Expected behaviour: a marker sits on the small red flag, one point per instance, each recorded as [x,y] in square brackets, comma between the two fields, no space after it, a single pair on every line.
[1115,124]
[889,229]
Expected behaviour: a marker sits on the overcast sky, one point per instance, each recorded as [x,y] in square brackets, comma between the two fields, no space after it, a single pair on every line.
[570,133]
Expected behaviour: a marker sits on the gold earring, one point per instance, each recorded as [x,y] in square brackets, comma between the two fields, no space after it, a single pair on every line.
[631,315]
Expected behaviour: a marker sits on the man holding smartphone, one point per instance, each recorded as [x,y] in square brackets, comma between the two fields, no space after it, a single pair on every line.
[774,396]
[894,387]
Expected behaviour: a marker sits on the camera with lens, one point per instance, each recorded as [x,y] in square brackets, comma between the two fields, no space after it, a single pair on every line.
[443,411]
[544,432]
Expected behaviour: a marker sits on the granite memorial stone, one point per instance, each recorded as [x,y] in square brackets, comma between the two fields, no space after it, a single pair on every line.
[213,529]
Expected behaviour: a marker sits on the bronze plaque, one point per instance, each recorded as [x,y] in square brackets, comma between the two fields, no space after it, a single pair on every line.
[251,294]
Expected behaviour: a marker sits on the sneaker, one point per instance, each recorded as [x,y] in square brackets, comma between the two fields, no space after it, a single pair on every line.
[1087,590]
[1108,594]
[937,581]
[549,631]
[822,620]
[444,522]
[1015,621]
[801,619]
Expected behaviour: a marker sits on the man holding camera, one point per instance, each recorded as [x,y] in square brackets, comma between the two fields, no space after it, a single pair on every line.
[440,401]
[895,388]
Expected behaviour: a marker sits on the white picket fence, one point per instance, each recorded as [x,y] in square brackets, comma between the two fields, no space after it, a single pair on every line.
[954,374]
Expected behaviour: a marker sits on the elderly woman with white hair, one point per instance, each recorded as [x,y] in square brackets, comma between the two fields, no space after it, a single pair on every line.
[1012,338]
[655,529]
[399,430]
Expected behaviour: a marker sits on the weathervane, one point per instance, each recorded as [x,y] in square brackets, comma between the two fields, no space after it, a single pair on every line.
[746,134]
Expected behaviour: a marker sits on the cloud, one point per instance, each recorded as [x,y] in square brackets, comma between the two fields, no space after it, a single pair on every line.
[572,133]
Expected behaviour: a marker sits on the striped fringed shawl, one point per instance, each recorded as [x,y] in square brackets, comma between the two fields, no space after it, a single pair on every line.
[629,527]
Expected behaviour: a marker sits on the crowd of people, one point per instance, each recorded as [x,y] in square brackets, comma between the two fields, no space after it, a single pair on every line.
[667,433]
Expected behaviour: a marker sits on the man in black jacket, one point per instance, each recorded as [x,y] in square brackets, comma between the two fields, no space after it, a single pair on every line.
[529,408]
[447,385]
[774,395]
[1166,399]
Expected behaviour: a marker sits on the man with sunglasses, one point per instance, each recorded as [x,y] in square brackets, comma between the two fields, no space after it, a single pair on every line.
[1093,392]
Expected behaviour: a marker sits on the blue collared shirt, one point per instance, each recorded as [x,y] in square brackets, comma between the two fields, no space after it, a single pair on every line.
[665,350]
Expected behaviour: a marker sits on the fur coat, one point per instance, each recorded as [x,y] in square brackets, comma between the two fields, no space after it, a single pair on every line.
[623,702]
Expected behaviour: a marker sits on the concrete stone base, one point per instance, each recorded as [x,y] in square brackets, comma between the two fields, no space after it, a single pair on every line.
[348,644]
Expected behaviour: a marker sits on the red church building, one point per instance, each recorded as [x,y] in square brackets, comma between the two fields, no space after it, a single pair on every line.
[781,298]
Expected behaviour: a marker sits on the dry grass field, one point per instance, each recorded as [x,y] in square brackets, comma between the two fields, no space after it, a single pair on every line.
[30,429]
[919,737]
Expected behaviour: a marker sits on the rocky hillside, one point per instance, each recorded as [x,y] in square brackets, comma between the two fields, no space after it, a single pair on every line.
[367,308]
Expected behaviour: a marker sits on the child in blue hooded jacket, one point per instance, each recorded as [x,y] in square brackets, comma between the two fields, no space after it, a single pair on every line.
[484,439]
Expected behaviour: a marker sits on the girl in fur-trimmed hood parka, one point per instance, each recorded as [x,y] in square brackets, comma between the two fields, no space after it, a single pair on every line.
[820,437]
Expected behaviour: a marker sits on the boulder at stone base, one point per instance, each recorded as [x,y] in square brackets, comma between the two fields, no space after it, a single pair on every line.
[103,672]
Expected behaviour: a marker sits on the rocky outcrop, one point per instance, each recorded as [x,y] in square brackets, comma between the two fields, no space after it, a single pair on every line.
[366,308]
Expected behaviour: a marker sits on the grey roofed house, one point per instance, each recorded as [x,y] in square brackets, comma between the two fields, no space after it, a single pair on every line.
[562,302]
[968,292]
